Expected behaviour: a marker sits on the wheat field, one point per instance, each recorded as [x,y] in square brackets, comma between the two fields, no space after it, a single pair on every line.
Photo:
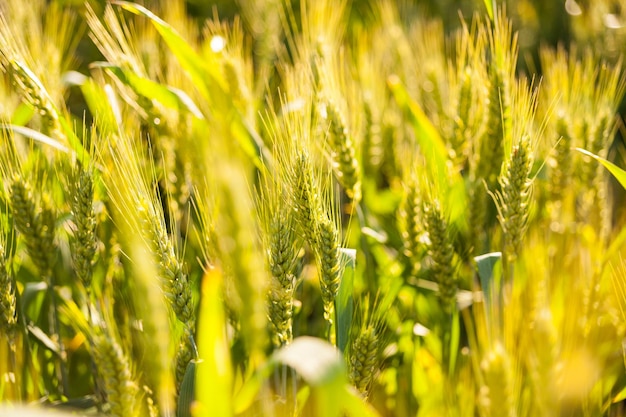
[312,208]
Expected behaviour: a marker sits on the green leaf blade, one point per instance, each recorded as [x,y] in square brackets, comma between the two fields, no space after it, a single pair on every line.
[618,173]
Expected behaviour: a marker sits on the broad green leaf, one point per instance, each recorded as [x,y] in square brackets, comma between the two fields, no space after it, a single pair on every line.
[214,373]
[315,360]
[620,396]
[344,302]
[44,339]
[618,173]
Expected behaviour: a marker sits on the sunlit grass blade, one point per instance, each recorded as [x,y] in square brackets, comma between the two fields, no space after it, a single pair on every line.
[204,75]
[490,6]
[618,173]
[172,98]
[36,136]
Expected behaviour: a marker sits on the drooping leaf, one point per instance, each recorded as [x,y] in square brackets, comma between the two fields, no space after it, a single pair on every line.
[36,136]
[618,173]
[169,97]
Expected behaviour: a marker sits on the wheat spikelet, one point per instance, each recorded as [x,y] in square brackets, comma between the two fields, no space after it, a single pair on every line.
[477,218]
[37,226]
[307,200]
[8,310]
[281,256]
[343,152]
[372,140]
[363,359]
[184,355]
[84,241]
[411,213]
[327,253]
[441,251]
[116,377]
[174,280]
[514,198]
[503,47]
[562,166]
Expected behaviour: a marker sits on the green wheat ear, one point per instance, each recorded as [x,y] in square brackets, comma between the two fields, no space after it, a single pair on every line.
[343,152]
[84,240]
[363,358]
[115,374]
[35,224]
[411,214]
[514,197]
[8,310]
[327,252]
[441,251]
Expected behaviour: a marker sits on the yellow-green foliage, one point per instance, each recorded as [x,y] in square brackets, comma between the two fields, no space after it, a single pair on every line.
[183,190]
